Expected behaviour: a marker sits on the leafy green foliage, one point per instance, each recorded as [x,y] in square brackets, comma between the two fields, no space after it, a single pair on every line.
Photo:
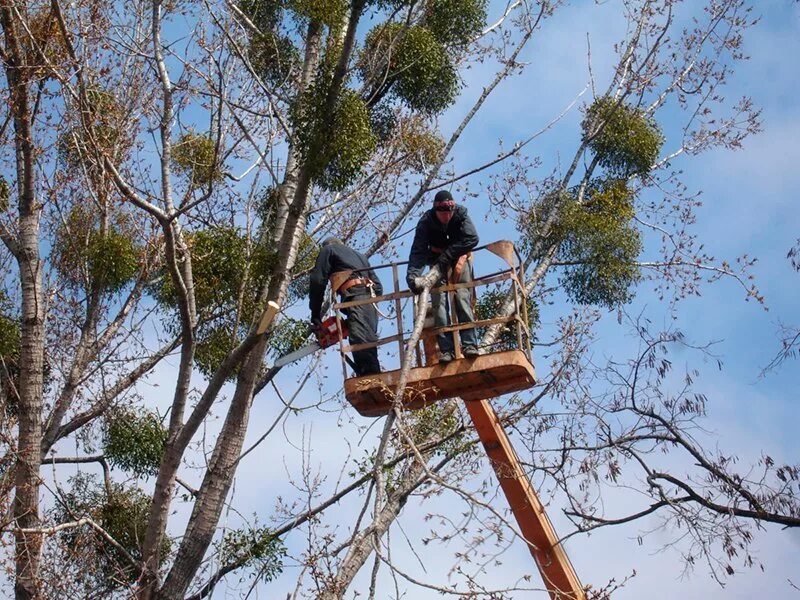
[433,422]
[228,273]
[113,259]
[84,254]
[220,260]
[264,14]
[124,516]
[195,156]
[382,121]
[273,57]
[272,54]
[455,23]
[628,141]
[600,245]
[10,339]
[307,252]
[42,41]
[488,307]
[122,512]
[103,117]
[288,335]
[253,548]
[395,5]
[134,441]
[213,346]
[418,68]
[327,12]
[335,146]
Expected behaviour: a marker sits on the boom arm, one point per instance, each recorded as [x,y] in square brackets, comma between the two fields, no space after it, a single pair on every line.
[559,577]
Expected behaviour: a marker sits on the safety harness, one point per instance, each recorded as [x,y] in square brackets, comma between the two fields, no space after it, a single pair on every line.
[354,282]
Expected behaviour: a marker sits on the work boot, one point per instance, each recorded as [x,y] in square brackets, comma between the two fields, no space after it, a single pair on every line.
[445,357]
[471,351]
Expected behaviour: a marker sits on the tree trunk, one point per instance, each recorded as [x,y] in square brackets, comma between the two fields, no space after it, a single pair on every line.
[217,481]
[31,359]
[26,500]
[364,543]
[219,477]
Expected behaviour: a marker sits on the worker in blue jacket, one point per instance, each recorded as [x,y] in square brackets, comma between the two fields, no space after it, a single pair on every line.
[362,321]
[444,237]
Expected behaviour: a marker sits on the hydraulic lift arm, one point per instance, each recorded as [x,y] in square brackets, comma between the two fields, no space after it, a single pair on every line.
[559,577]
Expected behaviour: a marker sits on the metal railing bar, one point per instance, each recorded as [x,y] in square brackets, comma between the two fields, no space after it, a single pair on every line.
[501,276]
[431,331]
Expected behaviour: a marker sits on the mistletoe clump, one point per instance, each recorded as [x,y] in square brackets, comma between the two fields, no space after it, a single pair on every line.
[383,122]
[122,513]
[600,245]
[436,421]
[99,133]
[264,14]
[455,23]
[9,334]
[99,259]
[414,63]
[113,259]
[288,335]
[489,305]
[273,57]
[43,42]
[256,547]
[272,54]
[195,156]
[229,270]
[213,346]
[335,146]
[5,193]
[10,339]
[625,140]
[134,441]
[124,516]
[327,12]
[223,260]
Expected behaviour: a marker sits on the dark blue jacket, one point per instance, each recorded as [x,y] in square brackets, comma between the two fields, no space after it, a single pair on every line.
[455,239]
[335,258]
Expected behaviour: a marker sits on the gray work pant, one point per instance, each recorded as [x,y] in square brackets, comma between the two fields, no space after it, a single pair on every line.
[441,312]
[362,321]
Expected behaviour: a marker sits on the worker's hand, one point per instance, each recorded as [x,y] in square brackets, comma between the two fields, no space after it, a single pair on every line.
[414,286]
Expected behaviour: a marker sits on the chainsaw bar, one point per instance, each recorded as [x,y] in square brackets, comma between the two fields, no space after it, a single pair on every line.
[297,354]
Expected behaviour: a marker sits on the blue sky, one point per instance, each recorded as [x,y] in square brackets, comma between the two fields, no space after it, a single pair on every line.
[749,207]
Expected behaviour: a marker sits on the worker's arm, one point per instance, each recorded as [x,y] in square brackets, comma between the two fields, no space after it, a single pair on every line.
[464,240]
[318,280]
[418,257]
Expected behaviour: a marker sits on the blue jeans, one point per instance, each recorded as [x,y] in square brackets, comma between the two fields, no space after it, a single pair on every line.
[441,313]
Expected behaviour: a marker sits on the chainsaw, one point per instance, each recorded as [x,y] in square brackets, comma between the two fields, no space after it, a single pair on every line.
[327,335]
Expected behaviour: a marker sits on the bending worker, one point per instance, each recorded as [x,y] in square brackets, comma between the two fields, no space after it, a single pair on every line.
[444,237]
[362,321]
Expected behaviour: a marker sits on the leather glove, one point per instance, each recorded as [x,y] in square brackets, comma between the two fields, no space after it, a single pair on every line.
[412,285]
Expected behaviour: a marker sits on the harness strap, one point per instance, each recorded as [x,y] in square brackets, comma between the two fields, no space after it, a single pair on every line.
[354,282]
